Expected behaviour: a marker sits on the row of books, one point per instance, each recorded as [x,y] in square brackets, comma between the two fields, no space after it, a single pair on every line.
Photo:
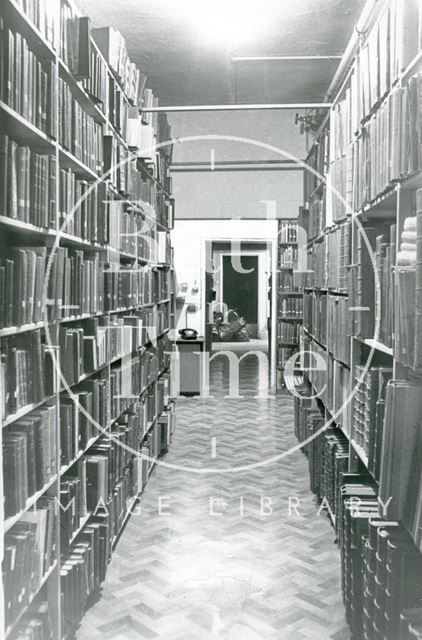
[389,147]
[29,457]
[401,464]
[327,451]
[334,273]
[82,208]
[381,567]
[408,345]
[74,41]
[35,625]
[291,307]
[112,45]
[317,161]
[27,83]
[368,413]
[286,282]
[85,210]
[29,553]
[338,342]
[86,565]
[391,45]
[315,315]
[77,283]
[84,569]
[108,475]
[288,257]
[411,624]
[288,232]
[28,184]
[338,393]
[288,332]
[78,132]
[385,260]
[40,14]
[315,363]
[379,262]
[96,84]
[30,443]
[316,214]
[83,417]
[26,371]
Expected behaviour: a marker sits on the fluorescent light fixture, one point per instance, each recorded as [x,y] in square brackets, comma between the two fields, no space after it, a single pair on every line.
[228,22]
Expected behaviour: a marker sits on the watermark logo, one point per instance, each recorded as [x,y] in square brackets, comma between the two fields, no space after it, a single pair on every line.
[308,361]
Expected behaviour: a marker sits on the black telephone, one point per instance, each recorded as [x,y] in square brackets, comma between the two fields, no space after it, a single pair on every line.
[188,334]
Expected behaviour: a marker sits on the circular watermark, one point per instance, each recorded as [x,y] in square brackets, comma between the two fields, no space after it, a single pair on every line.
[46,303]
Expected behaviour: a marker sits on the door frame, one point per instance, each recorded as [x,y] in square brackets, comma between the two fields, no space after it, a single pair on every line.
[271,246]
[262,300]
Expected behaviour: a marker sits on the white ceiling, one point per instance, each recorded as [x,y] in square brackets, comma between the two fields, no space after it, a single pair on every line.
[185,68]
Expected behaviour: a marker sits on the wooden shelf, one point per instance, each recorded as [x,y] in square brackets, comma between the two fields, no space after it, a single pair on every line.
[23,131]
[9,522]
[79,93]
[69,161]
[375,344]
[19,19]
[290,294]
[289,319]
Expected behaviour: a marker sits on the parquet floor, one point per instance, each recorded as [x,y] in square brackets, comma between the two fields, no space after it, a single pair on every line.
[227,558]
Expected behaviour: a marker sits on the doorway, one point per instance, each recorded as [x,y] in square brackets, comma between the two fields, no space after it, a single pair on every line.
[240,289]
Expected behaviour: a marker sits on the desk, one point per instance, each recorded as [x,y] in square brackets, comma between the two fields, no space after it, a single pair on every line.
[190,366]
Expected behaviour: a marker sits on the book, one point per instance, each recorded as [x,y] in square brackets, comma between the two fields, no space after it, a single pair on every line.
[29,554]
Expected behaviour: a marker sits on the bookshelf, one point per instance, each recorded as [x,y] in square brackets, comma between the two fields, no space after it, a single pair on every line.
[88,300]
[289,298]
[361,312]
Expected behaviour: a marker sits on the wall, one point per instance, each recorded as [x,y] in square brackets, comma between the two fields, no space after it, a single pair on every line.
[189,237]
[239,194]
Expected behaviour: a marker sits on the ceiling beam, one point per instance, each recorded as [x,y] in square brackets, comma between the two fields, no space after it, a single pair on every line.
[241,107]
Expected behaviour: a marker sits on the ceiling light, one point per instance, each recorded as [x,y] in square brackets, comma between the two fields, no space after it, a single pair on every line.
[228,22]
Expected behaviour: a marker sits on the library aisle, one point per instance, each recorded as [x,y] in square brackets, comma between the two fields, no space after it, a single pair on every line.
[191,574]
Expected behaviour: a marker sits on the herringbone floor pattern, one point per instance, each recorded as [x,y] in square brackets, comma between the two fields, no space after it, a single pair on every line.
[226,559]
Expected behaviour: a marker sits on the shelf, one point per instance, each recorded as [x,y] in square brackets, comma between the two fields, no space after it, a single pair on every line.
[289,319]
[68,238]
[290,294]
[80,95]
[375,344]
[13,331]
[320,344]
[413,182]
[69,161]
[360,452]
[82,523]
[145,171]
[26,227]
[9,522]
[23,131]
[382,207]
[24,24]
[32,598]
[12,417]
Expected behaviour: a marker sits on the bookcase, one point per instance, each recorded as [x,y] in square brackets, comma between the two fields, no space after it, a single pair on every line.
[87,302]
[360,413]
[288,296]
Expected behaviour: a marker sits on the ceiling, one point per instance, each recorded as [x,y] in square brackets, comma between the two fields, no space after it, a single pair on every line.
[185,66]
